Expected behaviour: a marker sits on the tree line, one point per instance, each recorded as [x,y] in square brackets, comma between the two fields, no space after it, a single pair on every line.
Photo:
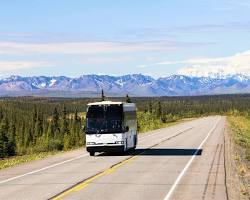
[26,128]
[29,125]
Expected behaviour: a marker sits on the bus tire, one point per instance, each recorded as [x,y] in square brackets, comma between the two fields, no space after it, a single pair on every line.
[92,153]
[136,141]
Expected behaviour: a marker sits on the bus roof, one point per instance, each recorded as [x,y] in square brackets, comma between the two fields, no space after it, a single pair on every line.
[108,103]
[104,103]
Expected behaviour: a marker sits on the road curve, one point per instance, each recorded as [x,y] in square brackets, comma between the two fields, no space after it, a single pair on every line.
[185,161]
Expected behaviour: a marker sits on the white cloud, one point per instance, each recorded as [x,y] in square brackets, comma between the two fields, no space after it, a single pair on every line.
[17,66]
[15,48]
[241,3]
[91,53]
[13,66]
[103,60]
[238,63]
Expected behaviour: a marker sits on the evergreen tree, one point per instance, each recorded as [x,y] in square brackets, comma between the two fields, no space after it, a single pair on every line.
[65,130]
[1,114]
[34,118]
[12,140]
[50,133]
[103,96]
[159,110]
[4,139]
[76,117]
[150,107]
[163,117]
[76,130]
[55,123]
[28,139]
[128,100]
[38,127]
[64,122]
[21,137]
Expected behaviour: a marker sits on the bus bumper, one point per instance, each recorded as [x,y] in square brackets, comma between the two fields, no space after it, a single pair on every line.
[117,148]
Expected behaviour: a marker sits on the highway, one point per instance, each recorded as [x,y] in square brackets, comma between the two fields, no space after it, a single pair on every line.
[184,161]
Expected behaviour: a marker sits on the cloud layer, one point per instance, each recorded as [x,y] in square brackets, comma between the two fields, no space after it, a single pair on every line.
[236,64]
[10,66]
[207,66]
[14,48]
[35,55]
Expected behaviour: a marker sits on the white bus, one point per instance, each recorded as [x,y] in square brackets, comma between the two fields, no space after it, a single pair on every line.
[110,127]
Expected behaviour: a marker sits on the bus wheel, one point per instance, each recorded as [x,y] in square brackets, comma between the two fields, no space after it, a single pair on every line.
[136,141]
[92,153]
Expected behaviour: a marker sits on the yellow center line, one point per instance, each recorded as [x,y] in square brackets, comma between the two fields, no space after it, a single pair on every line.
[87,182]
[108,171]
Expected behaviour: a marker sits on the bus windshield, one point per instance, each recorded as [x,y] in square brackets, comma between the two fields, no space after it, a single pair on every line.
[104,119]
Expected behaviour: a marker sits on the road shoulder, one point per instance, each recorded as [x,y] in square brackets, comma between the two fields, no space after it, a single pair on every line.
[237,187]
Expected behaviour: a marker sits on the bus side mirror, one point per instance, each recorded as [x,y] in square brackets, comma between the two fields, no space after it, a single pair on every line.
[126,128]
[83,128]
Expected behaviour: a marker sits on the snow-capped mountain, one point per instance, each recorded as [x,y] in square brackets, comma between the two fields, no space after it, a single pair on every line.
[134,84]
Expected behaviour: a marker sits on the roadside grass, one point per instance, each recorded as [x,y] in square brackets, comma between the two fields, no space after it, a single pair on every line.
[148,122]
[241,127]
[17,160]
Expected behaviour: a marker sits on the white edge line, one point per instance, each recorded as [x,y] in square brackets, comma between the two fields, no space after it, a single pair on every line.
[167,197]
[42,169]
[54,165]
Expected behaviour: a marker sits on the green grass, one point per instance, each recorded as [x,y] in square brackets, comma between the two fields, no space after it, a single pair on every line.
[240,125]
[241,128]
[148,121]
[17,160]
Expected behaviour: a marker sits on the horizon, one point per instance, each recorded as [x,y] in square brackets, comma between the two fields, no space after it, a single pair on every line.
[155,39]
[132,84]
[146,75]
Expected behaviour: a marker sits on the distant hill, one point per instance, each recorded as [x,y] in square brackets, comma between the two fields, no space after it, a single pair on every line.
[134,85]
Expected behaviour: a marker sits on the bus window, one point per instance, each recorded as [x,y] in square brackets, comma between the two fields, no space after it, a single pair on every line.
[95,119]
[104,119]
[95,112]
[114,112]
[114,118]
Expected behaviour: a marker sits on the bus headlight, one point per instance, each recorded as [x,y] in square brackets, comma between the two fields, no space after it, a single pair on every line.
[90,143]
[119,142]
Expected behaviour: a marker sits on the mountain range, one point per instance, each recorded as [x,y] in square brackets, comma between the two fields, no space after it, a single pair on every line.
[134,85]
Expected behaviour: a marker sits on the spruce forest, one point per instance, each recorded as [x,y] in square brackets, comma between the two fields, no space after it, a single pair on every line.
[31,125]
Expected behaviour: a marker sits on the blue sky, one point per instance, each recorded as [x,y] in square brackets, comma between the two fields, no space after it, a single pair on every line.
[158,38]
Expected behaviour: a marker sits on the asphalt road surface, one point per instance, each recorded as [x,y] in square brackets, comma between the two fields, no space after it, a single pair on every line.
[185,161]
